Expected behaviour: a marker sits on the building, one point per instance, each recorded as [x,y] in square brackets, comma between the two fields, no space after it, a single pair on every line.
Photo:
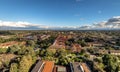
[95,44]
[85,67]
[43,66]
[114,52]
[60,42]
[79,67]
[38,67]
[48,66]
[100,51]
[59,69]
[75,67]
[11,43]
[76,48]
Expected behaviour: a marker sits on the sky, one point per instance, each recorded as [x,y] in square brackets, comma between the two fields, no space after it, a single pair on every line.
[59,12]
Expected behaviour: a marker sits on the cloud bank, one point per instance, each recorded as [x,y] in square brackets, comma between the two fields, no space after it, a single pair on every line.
[4,25]
[112,23]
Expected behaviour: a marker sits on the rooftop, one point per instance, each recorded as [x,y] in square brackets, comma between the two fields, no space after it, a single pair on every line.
[75,67]
[85,67]
[48,67]
[38,66]
[61,69]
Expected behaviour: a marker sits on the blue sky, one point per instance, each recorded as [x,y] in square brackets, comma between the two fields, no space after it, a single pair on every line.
[59,12]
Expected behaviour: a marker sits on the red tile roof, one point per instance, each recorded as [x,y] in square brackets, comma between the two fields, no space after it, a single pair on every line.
[48,67]
[76,47]
[11,43]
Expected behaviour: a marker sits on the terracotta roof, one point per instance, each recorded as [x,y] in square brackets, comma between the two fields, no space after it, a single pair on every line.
[76,47]
[60,41]
[48,67]
[11,43]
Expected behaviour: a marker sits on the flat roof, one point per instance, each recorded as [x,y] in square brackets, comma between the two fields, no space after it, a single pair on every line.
[61,69]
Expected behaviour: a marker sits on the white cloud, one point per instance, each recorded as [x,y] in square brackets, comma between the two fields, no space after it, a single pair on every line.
[21,24]
[112,23]
[14,24]
[116,16]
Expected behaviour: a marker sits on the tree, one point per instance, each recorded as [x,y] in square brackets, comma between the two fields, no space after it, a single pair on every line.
[87,56]
[25,63]
[42,52]
[105,59]
[82,43]
[82,52]
[6,63]
[63,60]
[3,50]
[14,67]
[111,62]
[99,60]
[30,43]
[118,68]
[22,50]
[31,52]
[63,57]
[50,52]
[1,63]
[13,49]
[61,52]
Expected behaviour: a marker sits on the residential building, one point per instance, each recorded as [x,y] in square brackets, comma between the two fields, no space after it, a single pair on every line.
[76,48]
[38,67]
[60,42]
[95,44]
[79,67]
[48,66]
[11,43]
[85,67]
[75,67]
[114,52]
[59,69]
